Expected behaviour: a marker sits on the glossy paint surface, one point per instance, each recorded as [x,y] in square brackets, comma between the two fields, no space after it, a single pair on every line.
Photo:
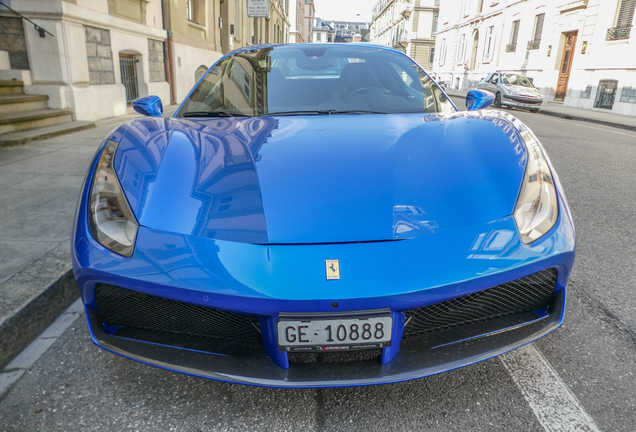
[148,105]
[240,214]
[478,99]
[285,180]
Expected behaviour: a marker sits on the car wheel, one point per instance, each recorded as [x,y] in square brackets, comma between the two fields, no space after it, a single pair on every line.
[497,103]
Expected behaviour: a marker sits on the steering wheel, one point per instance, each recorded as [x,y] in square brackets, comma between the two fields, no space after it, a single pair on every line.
[365,89]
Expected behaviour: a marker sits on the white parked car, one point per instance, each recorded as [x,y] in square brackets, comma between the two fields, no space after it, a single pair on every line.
[512,90]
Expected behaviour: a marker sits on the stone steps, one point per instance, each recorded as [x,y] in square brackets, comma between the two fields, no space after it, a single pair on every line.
[25,118]
[22,102]
[23,137]
[11,87]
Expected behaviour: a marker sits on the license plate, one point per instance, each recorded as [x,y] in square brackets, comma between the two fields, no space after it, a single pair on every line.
[525,105]
[334,332]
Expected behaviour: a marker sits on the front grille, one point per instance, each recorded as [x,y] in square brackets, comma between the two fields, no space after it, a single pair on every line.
[522,295]
[130,309]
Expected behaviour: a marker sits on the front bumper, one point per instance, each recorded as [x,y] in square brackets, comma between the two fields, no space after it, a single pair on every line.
[418,357]
[521,101]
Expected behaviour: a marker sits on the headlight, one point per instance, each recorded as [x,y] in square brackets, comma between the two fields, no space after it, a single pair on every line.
[111,221]
[537,209]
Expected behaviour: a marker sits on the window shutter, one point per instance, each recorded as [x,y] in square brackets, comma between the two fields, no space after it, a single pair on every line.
[538,27]
[626,13]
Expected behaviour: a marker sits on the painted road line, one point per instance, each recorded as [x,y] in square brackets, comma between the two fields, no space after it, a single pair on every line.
[555,406]
[23,361]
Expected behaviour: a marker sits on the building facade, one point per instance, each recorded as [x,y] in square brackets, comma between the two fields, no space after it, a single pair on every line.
[97,56]
[114,51]
[308,23]
[580,53]
[350,31]
[296,19]
[408,25]
[323,32]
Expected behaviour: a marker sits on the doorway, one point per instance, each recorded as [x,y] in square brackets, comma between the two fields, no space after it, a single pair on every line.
[566,66]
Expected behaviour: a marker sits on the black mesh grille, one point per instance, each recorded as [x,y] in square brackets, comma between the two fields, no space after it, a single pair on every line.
[522,295]
[130,309]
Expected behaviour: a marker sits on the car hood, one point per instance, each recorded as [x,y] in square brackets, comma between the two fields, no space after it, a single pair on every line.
[321,179]
[523,90]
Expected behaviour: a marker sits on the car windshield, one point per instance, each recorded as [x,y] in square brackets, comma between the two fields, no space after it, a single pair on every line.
[518,80]
[312,80]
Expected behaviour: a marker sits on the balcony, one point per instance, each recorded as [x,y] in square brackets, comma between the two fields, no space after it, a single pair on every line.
[618,33]
[511,47]
[406,8]
[534,44]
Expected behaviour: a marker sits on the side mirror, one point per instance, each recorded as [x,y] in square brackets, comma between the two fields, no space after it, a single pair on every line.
[148,105]
[478,99]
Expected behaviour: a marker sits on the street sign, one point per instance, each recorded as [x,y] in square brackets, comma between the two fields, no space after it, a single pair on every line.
[258,8]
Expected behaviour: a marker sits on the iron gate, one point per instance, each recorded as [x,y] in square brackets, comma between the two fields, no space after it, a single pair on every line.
[128,65]
[606,94]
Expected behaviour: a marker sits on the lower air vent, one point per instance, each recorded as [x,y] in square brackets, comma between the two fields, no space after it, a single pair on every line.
[130,309]
[522,295]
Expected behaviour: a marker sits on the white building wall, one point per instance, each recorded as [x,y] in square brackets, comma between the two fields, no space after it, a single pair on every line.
[59,65]
[594,57]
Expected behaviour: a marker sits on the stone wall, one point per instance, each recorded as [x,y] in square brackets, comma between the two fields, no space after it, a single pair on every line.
[12,40]
[100,56]
[155,61]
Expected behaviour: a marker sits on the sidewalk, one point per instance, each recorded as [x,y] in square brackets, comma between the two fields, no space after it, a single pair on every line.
[39,186]
[569,113]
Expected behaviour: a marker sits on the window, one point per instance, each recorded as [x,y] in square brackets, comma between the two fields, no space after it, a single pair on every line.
[431,56]
[538,29]
[628,94]
[318,37]
[624,20]
[435,19]
[514,34]
[462,49]
[442,54]
[193,11]
[489,48]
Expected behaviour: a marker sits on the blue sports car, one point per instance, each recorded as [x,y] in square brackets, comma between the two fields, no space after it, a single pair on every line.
[320,215]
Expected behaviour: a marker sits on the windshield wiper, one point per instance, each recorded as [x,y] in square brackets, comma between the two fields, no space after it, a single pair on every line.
[291,113]
[323,112]
[212,114]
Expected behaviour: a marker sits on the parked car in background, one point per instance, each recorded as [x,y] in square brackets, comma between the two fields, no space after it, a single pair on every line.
[512,90]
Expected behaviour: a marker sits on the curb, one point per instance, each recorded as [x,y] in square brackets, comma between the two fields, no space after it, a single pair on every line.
[568,116]
[56,291]
[17,331]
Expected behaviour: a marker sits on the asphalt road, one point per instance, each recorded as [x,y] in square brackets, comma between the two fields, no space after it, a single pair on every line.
[589,363]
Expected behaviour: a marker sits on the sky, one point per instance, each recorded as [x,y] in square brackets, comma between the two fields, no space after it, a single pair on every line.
[344,10]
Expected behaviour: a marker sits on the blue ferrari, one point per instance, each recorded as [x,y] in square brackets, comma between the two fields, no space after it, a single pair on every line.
[320,215]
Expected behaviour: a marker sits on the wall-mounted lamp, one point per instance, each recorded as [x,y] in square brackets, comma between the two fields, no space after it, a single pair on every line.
[549,50]
[583,47]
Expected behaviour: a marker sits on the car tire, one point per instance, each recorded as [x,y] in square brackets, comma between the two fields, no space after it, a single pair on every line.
[497,103]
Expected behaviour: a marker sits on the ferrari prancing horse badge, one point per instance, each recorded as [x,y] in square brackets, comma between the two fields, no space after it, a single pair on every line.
[333,269]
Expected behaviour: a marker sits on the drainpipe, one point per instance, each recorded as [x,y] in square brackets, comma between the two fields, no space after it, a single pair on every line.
[168,56]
